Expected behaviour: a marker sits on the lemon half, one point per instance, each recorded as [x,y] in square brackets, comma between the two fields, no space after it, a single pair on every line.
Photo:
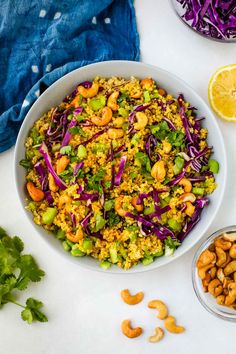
[222,92]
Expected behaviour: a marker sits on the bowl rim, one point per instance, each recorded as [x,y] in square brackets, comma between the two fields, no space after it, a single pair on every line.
[203,245]
[191,91]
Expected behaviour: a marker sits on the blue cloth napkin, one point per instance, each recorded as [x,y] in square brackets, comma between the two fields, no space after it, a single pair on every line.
[42,40]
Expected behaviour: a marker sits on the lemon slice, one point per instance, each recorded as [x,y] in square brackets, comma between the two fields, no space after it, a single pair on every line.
[222,92]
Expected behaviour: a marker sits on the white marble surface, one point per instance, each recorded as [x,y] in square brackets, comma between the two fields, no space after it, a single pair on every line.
[83,307]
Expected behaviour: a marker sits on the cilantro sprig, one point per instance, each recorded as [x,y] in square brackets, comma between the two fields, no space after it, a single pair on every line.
[17,270]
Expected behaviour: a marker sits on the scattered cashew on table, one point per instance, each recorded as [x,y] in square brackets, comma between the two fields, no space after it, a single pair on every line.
[163,314]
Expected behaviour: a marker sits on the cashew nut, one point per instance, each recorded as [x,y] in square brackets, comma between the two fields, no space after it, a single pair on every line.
[62,163]
[115,133]
[138,207]
[136,94]
[212,272]
[166,146]
[221,256]
[64,200]
[161,307]
[215,287]
[130,332]
[158,170]
[232,251]
[187,197]
[230,268]
[147,83]
[224,244]
[190,208]
[230,237]
[228,259]
[88,92]
[202,271]
[234,276]
[142,121]
[35,193]
[206,281]
[75,237]
[104,119]
[205,258]
[118,122]
[231,297]
[220,299]
[170,325]
[131,299]
[111,102]
[51,183]
[220,274]
[186,183]
[162,92]
[159,334]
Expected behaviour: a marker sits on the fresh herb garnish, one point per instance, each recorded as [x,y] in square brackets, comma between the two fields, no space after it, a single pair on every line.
[77,130]
[17,270]
[113,218]
[26,163]
[66,150]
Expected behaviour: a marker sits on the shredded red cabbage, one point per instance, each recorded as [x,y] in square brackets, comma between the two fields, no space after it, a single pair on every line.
[95,136]
[73,219]
[84,223]
[77,168]
[43,178]
[211,18]
[67,135]
[78,110]
[88,196]
[44,151]
[48,197]
[115,152]
[117,179]
[170,124]
[149,145]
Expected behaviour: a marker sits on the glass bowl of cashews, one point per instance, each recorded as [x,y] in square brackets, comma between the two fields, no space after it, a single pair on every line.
[214,273]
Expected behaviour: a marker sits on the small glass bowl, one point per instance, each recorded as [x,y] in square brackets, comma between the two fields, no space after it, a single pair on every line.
[178,9]
[207,300]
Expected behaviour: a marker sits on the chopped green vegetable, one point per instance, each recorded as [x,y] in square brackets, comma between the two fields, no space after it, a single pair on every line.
[147,260]
[124,95]
[49,215]
[113,254]
[105,265]
[60,235]
[66,246]
[76,252]
[81,152]
[123,112]
[109,204]
[77,130]
[160,131]
[149,209]
[97,103]
[179,164]
[70,117]
[26,163]
[213,166]
[146,96]
[170,246]
[100,222]
[174,225]
[17,270]
[135,139]
[142,160]
[87,245]
[176,138]
[66,150]
[158,254]
[198,191]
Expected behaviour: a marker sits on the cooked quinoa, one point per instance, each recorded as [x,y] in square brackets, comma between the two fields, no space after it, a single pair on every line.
[119,171]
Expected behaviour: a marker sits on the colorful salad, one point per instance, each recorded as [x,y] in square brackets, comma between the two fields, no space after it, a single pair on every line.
[120,171]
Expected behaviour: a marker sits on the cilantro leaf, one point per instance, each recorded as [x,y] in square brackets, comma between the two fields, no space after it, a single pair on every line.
[29,269]
[113,218]
[2,233]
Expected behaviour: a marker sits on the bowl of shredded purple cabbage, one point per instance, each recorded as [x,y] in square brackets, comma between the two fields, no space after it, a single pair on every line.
[213,19]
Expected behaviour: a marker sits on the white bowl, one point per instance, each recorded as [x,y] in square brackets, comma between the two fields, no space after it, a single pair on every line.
[172,84]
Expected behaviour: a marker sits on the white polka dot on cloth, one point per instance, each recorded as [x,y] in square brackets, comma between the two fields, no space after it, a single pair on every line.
[25,103]
[48,68]
[57,15]
[35,68]
[94,20]
[107,20]
[37,93]
[42,13]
